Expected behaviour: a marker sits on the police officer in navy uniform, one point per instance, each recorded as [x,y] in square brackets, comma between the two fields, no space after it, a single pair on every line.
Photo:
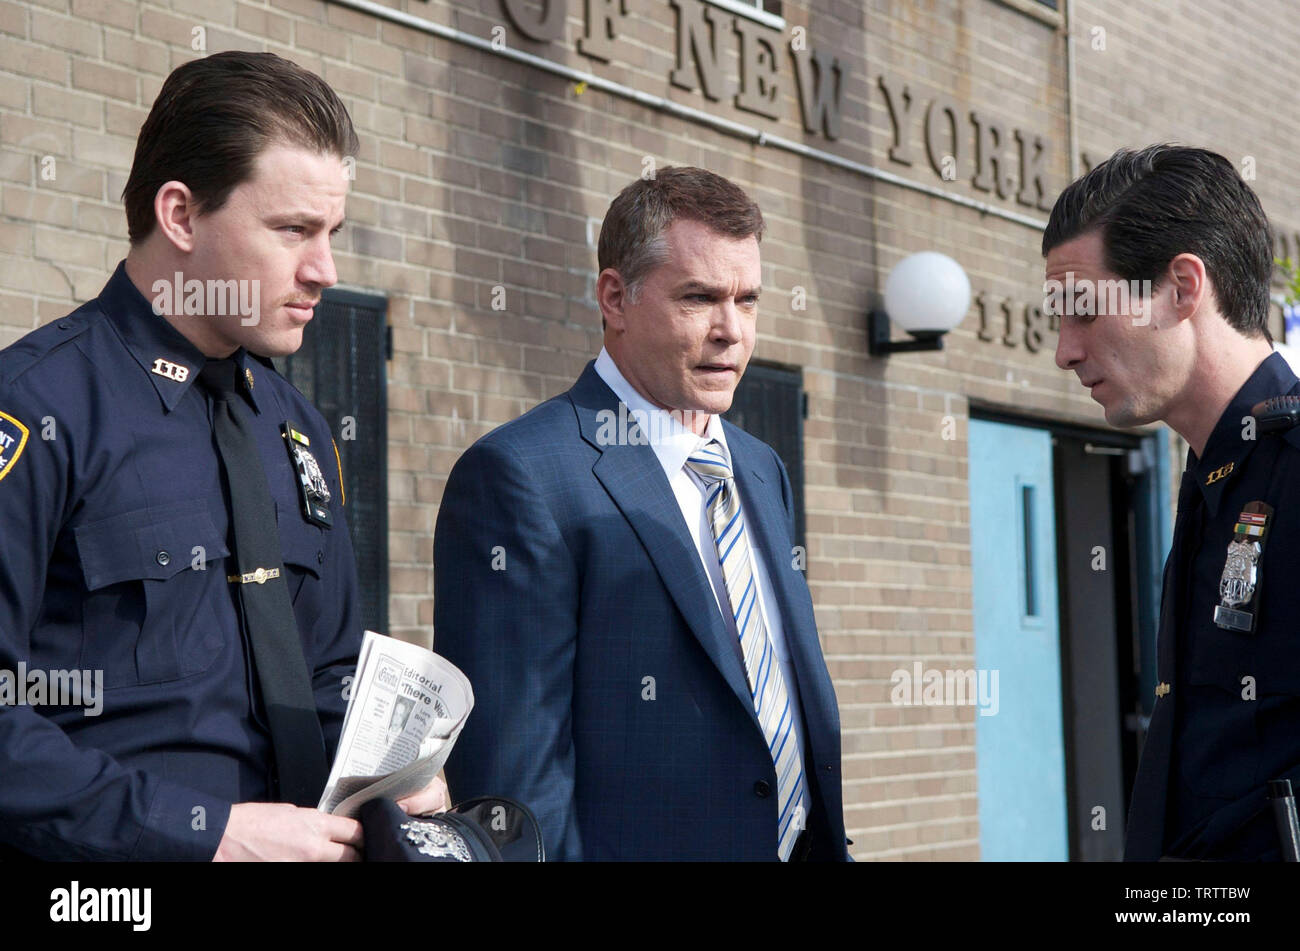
[1192,349]
[147,450]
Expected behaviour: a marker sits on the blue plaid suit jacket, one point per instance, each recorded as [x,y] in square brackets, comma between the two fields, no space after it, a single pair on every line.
[609,696]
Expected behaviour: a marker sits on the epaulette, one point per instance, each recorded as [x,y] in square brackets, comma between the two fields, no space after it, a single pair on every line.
[29,350]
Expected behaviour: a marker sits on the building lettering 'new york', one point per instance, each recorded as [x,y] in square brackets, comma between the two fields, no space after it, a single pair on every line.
[702,32]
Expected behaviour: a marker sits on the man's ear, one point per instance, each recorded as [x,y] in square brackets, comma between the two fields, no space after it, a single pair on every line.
[1188,283]
[174,209]
[611,297]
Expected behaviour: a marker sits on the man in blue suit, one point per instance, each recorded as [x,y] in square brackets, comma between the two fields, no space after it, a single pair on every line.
[615,573]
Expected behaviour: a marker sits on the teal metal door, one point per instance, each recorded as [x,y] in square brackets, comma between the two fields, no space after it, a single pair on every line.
[1019,740]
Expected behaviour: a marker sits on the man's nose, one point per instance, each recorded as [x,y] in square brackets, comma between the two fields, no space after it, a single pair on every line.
[727,322]
[1069,353]
[317,268]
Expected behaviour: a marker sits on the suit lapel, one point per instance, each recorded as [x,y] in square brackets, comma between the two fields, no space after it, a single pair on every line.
[635,480]
[765,520]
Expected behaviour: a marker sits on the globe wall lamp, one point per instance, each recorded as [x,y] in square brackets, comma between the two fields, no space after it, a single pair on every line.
[926,294]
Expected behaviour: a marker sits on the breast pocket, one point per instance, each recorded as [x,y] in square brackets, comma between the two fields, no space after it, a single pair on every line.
[154,583]
[303,548]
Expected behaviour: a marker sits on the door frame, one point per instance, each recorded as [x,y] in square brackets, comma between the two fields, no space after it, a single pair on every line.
[1147,545]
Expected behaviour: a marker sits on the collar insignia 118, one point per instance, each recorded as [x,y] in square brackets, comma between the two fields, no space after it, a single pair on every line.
[172,371]
[1239,584]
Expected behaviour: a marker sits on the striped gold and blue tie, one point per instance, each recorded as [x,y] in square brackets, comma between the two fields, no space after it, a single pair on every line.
[766,683]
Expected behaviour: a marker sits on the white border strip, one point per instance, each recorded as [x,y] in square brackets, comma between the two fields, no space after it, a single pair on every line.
[737,129]
[751,11]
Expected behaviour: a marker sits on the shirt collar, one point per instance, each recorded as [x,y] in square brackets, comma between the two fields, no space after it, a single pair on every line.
[170,361]
[671,441]
[1229,445]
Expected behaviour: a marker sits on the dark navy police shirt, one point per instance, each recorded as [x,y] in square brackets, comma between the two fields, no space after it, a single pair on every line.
[113,550]
[1229,718]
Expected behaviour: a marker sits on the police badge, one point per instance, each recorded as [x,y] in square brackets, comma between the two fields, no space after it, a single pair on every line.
[313,491]
[486,829]
[1239,584]
[436,841]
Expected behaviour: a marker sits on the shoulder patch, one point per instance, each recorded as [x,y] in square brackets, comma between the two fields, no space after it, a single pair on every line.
[13,437]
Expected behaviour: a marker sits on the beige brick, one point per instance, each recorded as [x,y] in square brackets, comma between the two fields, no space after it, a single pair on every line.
[107,80]
[58,103]
[345,79]
[206,13]
[310,9]
[134,53]
[124,120]
[113,151]
[102,219]
[172,30]
[32,277]
[38,204]
[37,62]
[352,22]
[371,54]
[14,18]
[320,39]
[68,248]
[40,136]
[78,179]
[15,238]
[66,33]
[13,94]
[119,13]
[263,23]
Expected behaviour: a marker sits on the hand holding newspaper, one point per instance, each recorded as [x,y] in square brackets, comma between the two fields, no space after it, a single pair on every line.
[407,707]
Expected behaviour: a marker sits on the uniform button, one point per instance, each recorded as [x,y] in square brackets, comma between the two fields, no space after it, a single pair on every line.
[320,558]
[762,790]
[65,325]
[163,558]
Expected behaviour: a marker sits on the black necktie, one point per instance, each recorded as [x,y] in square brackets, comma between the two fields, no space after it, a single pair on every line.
[264,595]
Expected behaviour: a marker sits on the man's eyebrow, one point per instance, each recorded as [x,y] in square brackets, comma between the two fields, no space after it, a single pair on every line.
[699,287]
[294,218]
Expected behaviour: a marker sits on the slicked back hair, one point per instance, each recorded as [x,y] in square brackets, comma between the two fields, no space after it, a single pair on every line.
[212,119]
[1153,204]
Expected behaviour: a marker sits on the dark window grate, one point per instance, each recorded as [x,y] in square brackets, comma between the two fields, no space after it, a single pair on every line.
[341,369]
[769,406]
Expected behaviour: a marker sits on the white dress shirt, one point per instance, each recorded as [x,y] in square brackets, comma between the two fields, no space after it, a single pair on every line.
[672,443]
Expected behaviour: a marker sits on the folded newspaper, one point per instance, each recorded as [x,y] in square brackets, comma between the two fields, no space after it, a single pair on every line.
[407,707]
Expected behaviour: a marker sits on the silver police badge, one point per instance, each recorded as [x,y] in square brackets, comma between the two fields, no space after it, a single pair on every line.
[313,480]
[436,840]
[313,492]
[1239,582]
[1237,586]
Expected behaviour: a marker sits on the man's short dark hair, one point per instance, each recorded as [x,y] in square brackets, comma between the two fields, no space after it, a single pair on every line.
[631,236]
[212,119]
[1154,204]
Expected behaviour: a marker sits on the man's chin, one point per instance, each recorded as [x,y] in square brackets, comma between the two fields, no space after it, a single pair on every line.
[271,349]
[1124,415]
[713,407]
